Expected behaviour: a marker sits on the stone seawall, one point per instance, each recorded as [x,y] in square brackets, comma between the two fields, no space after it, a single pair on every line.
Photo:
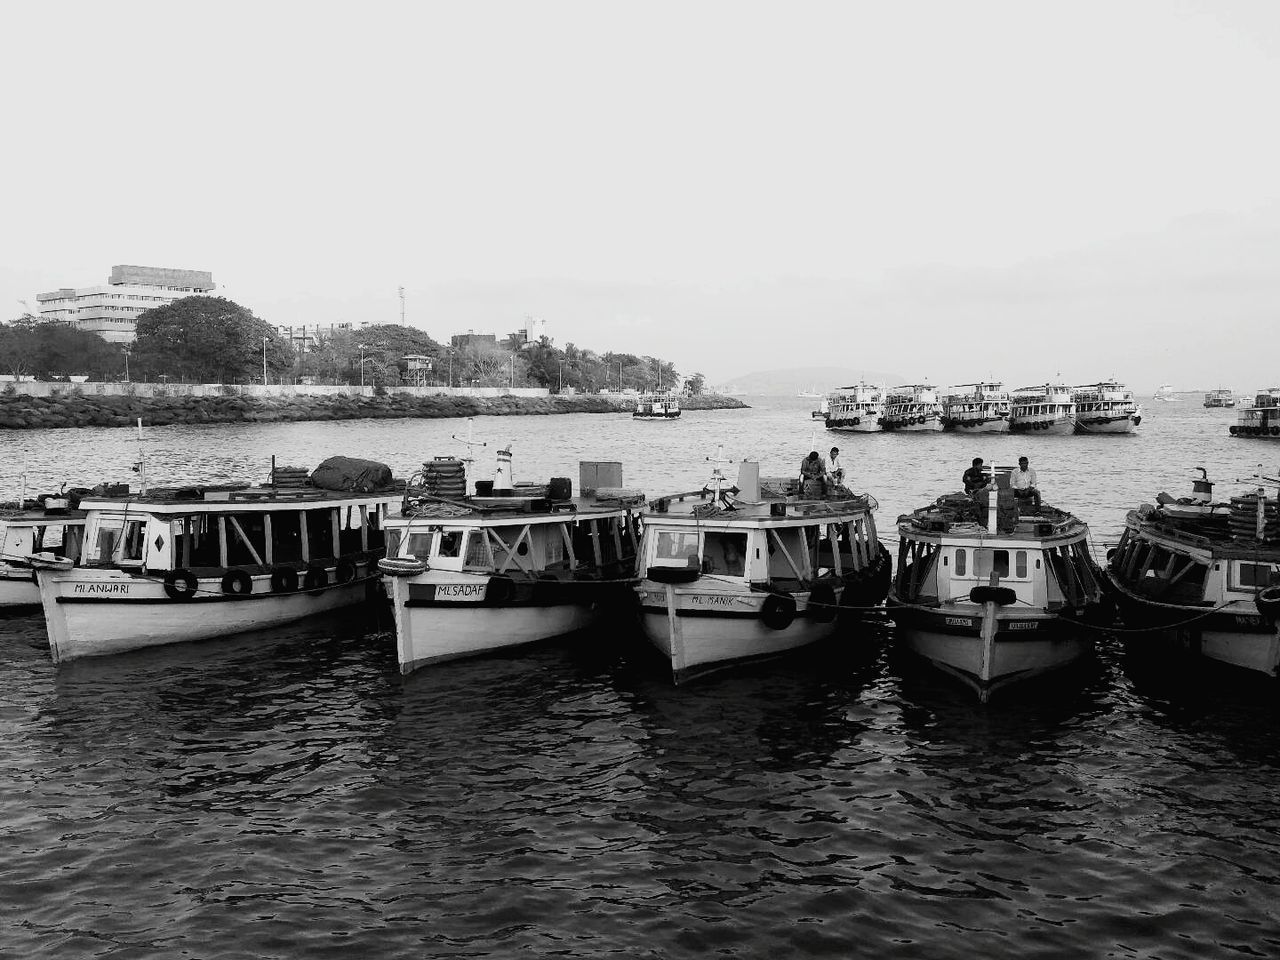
[19,412]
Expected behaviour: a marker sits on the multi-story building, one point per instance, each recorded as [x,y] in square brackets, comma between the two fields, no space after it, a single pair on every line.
[307,337]
[111,311]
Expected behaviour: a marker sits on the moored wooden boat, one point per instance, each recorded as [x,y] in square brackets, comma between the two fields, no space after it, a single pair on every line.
[197,562]
[471,574]
[1261,418]
[979,408]
[1204,582]
[1106,407]
[656,406]
[730,575]
[1049,410]
[855,409]
[39,531]
[995,593]
[912,408]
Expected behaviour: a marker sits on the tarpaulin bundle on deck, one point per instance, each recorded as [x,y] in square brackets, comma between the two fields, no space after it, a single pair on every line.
[352,473]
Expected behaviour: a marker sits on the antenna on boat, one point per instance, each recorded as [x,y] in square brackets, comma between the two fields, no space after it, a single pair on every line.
[22,485]
[470,444]
[140,467]
[716,485]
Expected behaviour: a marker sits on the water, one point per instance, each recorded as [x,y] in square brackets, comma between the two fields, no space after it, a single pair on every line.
[290,795]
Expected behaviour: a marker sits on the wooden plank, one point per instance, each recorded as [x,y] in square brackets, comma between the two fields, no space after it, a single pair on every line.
[244,537]
[222,541]
[270,547]
[786,555]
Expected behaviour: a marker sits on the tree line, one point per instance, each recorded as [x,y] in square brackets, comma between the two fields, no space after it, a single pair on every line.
[215,340]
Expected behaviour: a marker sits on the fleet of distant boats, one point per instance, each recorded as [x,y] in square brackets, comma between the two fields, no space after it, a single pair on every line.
[983,407]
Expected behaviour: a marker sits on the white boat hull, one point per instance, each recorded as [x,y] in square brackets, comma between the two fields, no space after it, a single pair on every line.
[1044,427]
[93,613]
[1126,425]
[869,425]
[431,631]
[990,649]
[993,425]
[18,589]
[700,629]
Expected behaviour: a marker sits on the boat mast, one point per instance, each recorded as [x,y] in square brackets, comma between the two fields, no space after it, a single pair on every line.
[470,445]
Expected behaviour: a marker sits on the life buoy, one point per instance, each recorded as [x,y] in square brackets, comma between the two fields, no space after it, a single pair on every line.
[284,580]
[672,574]
[1275,431]
[822,603]
[856,421]
[1268,603]
[499,590]
[778,611]
[392,566]
[180,584]
[316,578]
[1001,596]
[1233,430]
[237,583]
[345,571]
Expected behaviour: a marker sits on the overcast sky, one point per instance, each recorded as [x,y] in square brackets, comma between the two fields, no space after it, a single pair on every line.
[950,190]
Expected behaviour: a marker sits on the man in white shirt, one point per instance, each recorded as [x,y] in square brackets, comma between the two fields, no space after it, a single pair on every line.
[1024,484]
[834,467]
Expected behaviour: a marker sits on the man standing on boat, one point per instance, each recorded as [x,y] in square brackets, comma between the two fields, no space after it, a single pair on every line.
[974,478]
[1024,484]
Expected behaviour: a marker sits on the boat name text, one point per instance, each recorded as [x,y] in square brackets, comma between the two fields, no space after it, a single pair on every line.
[117,589]
[459,591]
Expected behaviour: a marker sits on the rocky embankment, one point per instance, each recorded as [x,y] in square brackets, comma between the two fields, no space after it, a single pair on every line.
[73,410]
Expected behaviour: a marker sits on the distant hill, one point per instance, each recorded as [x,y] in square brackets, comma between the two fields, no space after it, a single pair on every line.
[818,379]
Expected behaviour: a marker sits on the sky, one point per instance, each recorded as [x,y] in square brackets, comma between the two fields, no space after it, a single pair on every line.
[951,190]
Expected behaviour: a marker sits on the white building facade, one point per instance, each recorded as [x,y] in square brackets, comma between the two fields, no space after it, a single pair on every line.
[111,311]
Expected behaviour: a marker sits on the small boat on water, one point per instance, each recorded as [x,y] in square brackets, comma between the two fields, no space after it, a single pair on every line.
[1220,398]
[993,590]
[1199,577]
[980,408]
[1106,407]
[44,529]
[656,406]
[509,564]
[823,407]
[1166,394]
[1049,409]
[1261,418]
[752,570]
[195,562]
[912,407]
[855,409]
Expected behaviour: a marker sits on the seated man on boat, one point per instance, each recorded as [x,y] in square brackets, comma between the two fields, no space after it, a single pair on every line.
[1024,484]
[835,470]
[975,478]
[813,472]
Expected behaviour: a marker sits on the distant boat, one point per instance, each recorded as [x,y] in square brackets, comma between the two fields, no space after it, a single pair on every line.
[810,393]
[1220,398]
[1166,393]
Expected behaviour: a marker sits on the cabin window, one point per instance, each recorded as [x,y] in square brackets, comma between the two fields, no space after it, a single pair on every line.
[250,527]
[286,536]
[553,548]
[451,543]
[962,560]
[478,553]
[1255,576]
[1020,564]
[393,542]
[676,546]
[194,541]
[725,553]
[320,533]
[418,544]
[987,562]
[349,539]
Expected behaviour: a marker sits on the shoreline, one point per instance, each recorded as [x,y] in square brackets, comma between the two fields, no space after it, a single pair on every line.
[70,409]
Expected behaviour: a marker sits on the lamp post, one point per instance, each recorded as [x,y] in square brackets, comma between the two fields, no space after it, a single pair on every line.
[361,346]
[561,389]
[126,364]
[264,361]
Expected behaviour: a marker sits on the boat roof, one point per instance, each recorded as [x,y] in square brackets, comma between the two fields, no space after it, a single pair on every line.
[700,507]
[504,511]
[240,497]
[957,519]
[40,518]
[1209,536]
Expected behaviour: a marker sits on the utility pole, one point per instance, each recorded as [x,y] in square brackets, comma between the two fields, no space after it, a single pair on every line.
[264,361]
[402,306]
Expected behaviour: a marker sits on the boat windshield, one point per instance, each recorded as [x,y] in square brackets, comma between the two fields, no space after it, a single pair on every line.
[725,553]
[676,546]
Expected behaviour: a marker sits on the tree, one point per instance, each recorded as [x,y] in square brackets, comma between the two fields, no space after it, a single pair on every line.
[49,349]
[208,339]
[695,384]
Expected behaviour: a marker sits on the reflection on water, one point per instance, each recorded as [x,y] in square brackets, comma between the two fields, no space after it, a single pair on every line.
[290,794]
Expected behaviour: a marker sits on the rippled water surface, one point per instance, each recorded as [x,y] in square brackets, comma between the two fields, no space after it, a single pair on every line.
[290,795]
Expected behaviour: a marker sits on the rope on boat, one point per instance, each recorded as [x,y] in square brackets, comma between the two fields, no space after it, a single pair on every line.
[219,592]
